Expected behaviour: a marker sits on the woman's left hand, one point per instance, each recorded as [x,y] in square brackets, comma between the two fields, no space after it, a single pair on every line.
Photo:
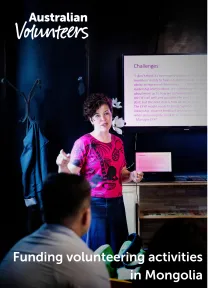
[137,176]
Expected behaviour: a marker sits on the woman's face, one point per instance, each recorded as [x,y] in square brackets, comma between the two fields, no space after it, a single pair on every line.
[102,119]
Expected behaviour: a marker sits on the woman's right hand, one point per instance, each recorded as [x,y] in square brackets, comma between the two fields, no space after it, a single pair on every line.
[63,159]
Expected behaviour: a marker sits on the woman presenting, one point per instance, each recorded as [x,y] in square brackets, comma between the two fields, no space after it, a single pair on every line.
[99,156]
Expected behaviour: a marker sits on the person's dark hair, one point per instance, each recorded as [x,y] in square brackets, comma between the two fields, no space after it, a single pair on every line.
[94,102]
[63,195]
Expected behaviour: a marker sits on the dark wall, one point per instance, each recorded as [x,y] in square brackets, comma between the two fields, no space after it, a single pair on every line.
[57,105]
[153,27]
[12,210]
[58,64]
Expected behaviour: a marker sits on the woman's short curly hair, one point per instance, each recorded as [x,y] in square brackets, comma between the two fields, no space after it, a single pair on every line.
[94,102]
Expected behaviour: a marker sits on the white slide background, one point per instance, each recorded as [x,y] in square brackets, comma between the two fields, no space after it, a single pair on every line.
[165,90]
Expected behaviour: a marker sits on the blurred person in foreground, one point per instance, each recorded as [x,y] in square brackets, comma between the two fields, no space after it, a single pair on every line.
[40,259]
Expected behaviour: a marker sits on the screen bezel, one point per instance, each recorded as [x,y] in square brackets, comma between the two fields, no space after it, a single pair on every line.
[144,129]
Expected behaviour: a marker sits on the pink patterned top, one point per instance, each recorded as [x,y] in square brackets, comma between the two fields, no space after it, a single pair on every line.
[101,164]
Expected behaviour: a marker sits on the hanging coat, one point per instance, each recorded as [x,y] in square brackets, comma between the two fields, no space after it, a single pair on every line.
[34,165]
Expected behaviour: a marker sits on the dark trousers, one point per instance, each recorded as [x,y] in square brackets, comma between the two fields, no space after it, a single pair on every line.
[108,224]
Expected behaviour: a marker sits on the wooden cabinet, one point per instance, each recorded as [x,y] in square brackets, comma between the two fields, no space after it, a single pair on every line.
[148,205]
